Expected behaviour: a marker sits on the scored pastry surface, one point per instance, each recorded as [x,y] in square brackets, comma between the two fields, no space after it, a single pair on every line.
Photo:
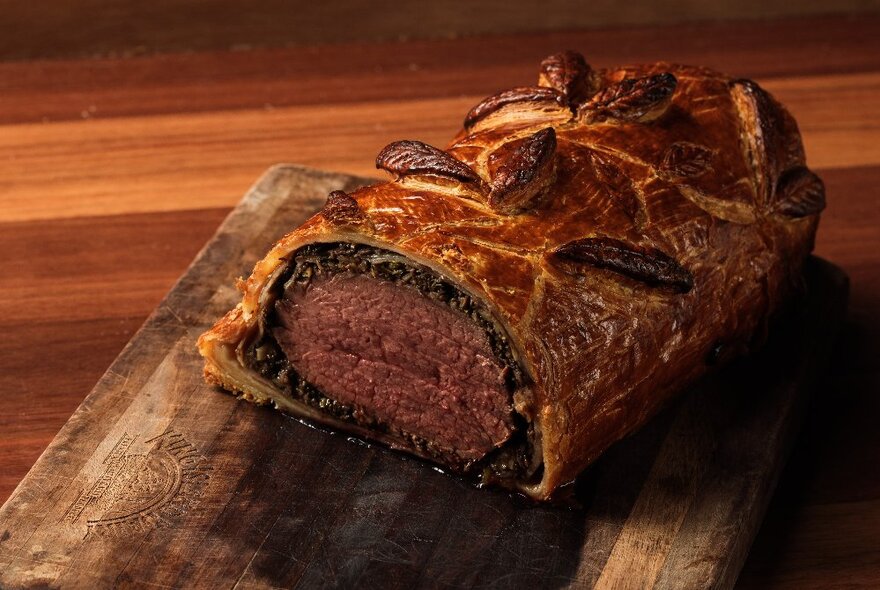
[622,225]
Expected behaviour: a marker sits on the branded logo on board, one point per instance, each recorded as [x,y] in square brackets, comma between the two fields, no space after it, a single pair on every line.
[140,490]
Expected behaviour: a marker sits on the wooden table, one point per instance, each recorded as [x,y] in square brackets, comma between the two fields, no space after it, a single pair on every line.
[114,172]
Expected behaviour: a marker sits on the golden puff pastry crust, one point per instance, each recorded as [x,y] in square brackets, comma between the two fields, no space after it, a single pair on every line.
[627,229]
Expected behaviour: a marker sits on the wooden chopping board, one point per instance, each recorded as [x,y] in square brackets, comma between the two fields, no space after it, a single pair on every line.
[158,480]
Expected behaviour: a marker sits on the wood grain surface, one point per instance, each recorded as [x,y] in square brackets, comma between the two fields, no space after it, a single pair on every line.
[160,479]
[96,230]
[54,28]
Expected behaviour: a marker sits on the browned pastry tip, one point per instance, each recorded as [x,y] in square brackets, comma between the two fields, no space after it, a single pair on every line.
[800,193]
[631,100]
[524,173]
[534,95]
[569,73]
[409,157]
[642,263]
[684,159]
[341,209]
[769,137]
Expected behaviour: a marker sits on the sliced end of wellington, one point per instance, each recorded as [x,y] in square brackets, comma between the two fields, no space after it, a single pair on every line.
[512,305]
[368,341]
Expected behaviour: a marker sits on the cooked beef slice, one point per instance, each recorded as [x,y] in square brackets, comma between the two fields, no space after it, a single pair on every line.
[408,361]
